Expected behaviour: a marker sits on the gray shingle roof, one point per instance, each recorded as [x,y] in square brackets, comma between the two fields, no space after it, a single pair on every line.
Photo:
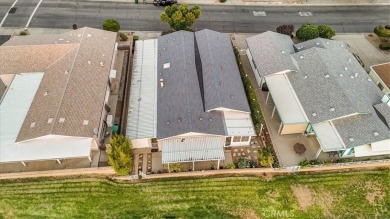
[179,102]
[221,78]
[271,52]
[330,85]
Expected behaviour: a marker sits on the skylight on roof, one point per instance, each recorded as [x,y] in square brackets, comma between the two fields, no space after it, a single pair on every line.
[167,65]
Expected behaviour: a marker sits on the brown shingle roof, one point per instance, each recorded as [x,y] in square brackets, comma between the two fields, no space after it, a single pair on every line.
[383,71]
[71,87]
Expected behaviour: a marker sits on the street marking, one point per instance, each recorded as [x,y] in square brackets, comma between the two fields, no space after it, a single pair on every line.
[305,14]
[259,13]
[29,20]
[6,15]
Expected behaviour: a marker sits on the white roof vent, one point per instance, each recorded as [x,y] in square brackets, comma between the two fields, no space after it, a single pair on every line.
[305,77]
[79,35]
[85,122]
[351,139]
[210,119]
[283,52]
[200,118]
[46,93]
[341,75]
[60,39]
[349,60]
[327,43]
[174,39]
[314,114]
[317,43]
[168,122]
[179,120]
[301,57]
[352,76]
[164,49]
[376,134]
[326,76]
[332,109]
[231,96]
[32,125]
[342,45]
[62,120]
[345,68]
[356,74]
[89,62]
[369,79]
[101,64]
[161,82]
[89,35]
[167,65]
[66,72]
[50,120]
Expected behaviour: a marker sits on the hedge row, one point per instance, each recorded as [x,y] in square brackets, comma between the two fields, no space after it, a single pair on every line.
[384,46]
[257,116]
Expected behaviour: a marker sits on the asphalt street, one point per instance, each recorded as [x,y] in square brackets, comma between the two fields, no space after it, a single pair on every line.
[142,17]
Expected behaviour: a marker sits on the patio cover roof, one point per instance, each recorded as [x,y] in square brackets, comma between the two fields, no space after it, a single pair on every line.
[192,149]
[328,136]
[142,116]
[284,97]
[238,124]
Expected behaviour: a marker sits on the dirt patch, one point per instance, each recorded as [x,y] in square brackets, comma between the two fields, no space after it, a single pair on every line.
[246,213]
[303,195]
[374,192]
[324,200]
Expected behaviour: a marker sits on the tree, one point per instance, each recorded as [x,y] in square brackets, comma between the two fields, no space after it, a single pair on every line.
[307,32]
[326,32]
[111,25]
[265,157]
[180,17]
[119,155]
[286,29]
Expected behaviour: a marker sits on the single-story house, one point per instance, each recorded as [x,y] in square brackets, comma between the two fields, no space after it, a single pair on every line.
[187,99]
[318,87]
[55,92]
[381,76]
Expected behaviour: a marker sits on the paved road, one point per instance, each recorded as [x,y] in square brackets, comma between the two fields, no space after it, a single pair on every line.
[140,17]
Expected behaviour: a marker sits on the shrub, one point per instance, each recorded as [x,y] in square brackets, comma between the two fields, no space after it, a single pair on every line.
[119,155]
[314,162]
[165,32]
[265,157]
[307,32]
[23,33]
[222,1]
[74,26]
[257,116]
[135,38]
[123,36]
[230,166]
[326,32]
[304,163]
[243,163]
[286,29]
[384,46]
[111,25]
[175,167]
[380,31]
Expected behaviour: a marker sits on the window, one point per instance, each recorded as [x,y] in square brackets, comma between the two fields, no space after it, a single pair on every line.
[245,138]
[236,138]
[228,141]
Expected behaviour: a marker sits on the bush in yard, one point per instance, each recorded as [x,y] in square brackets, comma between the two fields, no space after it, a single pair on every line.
[175,167]
[222,1]
[304,163]
[265,157]
[23,33]
[384,46]
[326,32]
[307,32]
[381,31]
[257,116]
[119,155]
[135,38]
[123,36]
[230,166]
[111,25]
[243,163]
[286,29]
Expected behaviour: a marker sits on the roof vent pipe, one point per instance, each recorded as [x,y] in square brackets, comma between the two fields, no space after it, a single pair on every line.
[161,82]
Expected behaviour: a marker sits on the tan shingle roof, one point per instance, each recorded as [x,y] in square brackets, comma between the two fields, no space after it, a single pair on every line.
[71,87]
[383,71]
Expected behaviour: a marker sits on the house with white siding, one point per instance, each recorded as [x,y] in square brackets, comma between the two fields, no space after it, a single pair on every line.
[319,88]
[187,99]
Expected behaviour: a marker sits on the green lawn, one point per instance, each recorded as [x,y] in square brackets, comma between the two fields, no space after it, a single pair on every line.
[334,195]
